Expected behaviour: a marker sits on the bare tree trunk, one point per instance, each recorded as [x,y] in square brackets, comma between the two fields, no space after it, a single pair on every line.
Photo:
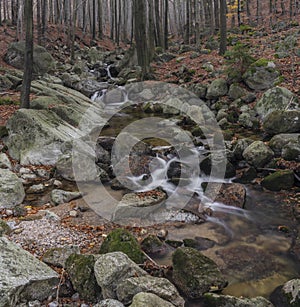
[187,23]
[100,24]
[166,25]
[25,91]
[0,12]
[158,27]
[223,28]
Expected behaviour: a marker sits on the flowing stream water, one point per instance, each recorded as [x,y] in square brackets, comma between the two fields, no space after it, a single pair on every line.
[247,244]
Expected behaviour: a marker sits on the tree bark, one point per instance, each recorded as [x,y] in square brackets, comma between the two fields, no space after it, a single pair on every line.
[223,28]
[25,91]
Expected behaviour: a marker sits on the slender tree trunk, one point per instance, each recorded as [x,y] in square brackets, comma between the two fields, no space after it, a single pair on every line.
[0,12]
[25,91]
[187,24]
[166,25]
[100,24]
[158,27]
[223,28]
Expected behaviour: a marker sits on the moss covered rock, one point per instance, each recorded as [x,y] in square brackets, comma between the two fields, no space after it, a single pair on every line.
[276,98]
[280,180]
[282,122]
[258,154]
[195,274]
[152,244]
[81,272]
[217,88]
[121,240]
[261,75]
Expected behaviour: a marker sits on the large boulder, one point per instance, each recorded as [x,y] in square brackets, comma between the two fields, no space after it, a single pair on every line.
[11,189]
[276,98]
[287,295]
[80,269]
[70,105]
[43,62]
[280,180]
[215,300]
[279,141]
[217,88]
[291,152]
[278,122]
[121,240]
[60,196]
[162,287]
[195,274]
[23,277]
[36,136]
[261,75]
[111,269]
[258,154]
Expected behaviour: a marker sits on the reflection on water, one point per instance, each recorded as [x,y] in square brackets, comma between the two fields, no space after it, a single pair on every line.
[250,250]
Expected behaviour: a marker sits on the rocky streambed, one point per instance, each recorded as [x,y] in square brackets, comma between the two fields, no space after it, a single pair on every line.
[202,209]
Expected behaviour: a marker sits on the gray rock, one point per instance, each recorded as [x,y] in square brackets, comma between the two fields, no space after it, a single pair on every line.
[109,303]
[261,75]
[246,120]
[239,148]
[36,188]
[280,140]
[216,89]
[134,207]
[43,62]
[195,274]
[162,287]
[291,152]
[4,161]
[57,256]
[23,277]
[36,136]
[111,269]
[278,122]
[258,154]
[60,196]
[5,83]
[287,295]
[235,92]
[143,299]
[11,189]
[215,300]
[276,98]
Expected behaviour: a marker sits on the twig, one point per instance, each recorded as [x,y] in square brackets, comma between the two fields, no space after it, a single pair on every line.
[290,102]
[149,258]
[5,93]
[60,283]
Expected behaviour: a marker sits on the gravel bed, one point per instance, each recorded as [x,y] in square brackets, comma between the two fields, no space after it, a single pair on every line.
[38,236]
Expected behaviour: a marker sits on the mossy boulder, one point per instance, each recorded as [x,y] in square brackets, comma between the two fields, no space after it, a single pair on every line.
[258,154]
[151,244]
[80,269]
[143,299]
[217,88]
[280,180]
[278,122]
[236,91]
[121,240]
[276,98]
[261,75]
[279,141]
[43,62]
[195,274]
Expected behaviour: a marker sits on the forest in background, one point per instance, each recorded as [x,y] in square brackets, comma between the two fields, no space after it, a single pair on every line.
[188,20]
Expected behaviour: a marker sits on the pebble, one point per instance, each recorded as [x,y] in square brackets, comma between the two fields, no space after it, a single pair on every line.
[73,213]
[57,183]
[53,304]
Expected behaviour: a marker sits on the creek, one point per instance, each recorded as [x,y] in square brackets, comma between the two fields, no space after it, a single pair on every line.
[251,245]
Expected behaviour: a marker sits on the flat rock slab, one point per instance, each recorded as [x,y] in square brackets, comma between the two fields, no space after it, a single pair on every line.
[23,277]
[11,189]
